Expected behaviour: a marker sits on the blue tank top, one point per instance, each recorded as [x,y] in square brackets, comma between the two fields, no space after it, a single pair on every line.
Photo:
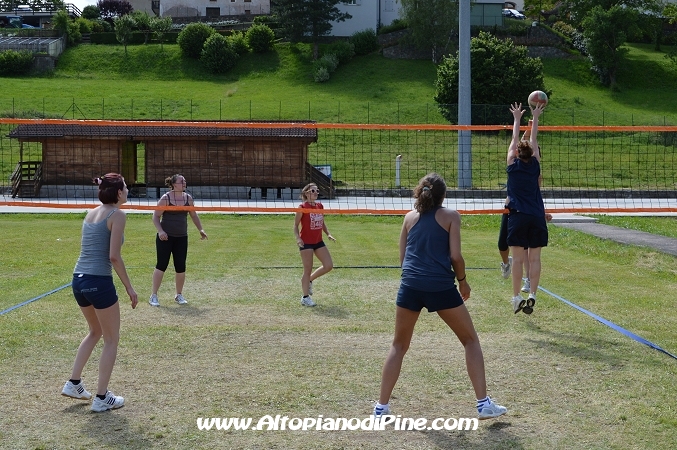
[427,260]
[525,195]
[95,249]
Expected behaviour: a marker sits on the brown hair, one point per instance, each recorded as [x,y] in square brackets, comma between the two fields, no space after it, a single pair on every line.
[305,190]
[524,151]
[430,192]
[170,181]
[109,186]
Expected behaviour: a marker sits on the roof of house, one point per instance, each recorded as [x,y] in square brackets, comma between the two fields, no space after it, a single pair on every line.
[33,131]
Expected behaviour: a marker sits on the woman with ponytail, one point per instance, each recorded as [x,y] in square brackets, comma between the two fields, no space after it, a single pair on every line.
[431,259]
[94,291]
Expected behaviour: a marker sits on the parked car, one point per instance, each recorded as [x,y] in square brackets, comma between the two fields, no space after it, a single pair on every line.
[513,14]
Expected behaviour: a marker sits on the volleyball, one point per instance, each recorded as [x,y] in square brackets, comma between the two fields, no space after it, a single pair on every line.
[538,98]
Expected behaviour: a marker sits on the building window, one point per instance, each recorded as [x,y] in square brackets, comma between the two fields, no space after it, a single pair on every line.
[350,2]
[213,12]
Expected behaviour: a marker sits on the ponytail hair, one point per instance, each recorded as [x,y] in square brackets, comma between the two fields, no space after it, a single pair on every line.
[170,181]
[109,186]
[524,151]
[430,193]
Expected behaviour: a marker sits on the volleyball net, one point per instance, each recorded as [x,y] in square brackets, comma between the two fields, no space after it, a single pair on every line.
[252,167]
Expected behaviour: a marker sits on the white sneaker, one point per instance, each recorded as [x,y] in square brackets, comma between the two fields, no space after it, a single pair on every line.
[76,391]
[153,301]
[111,401]
[491,410]
[180,300]
[310,288]
[529,304]
[518,303]
[381,410]
[307,301]
[527,285]
[506,268]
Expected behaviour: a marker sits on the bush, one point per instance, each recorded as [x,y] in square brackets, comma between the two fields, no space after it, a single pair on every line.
[343,50]
[321,75]
[328,61]
[260,38]
[238,43]
[501,72]
[91,12]
[396,25]
[15,63]
[218,55]
[192,39]
[85,25]
[364,41]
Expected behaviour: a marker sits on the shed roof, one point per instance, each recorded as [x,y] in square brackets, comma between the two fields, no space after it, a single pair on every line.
[33,131]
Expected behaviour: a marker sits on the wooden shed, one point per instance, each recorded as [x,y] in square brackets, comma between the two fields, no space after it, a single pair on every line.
[206,154]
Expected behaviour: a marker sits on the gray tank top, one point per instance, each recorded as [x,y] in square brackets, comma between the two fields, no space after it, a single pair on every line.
[95,249]
[175,223]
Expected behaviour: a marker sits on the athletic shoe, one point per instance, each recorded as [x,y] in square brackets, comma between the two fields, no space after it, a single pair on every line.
[153,301]
[518,303]
[76,391]
[310,288]
[180,300]
[491,410]
[527,285]
[307,301]
[529,305]
[505,268]
[381,410]
[111,401]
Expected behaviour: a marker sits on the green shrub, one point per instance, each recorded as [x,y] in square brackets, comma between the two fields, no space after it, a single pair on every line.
[329,61]
[15,63]
[321,75]
[238,43]
[192,39]
[260,38]
[85,25]
[396,25]
[91,12]
[218,56]
[365,41]
[343,50]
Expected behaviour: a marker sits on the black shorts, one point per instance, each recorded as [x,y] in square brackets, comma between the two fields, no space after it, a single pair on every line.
[525,230]
[434,301]
[176,247]
[313,246]
[94,290]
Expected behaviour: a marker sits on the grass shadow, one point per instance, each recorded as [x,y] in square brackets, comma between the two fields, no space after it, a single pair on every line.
[112,429]
[496,438]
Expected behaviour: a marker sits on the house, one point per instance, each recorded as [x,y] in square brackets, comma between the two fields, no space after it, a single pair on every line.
[220,159]
[202,8]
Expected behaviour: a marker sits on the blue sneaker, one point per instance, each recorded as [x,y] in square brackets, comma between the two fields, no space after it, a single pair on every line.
[490,410]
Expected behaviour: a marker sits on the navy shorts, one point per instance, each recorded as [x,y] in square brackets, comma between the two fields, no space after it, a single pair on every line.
[313,246]
[434,301]
[525,230]
[94,290]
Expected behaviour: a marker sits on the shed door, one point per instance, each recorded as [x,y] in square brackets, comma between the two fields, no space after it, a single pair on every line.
[129,166]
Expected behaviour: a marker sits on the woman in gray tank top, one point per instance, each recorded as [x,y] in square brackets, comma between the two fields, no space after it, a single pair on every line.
[172,237]
[93,288]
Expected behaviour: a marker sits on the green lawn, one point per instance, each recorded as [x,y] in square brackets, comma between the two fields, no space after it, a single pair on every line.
[151,84]
[245,347]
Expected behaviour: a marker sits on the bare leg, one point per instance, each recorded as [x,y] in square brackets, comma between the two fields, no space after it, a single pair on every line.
[109,319]
[460,322]
[405,320]
[526,264]
[157,280]
[88,343]
[518,256]
[307,260]
[180,280]
[504,255]
[534,268]
[327,264]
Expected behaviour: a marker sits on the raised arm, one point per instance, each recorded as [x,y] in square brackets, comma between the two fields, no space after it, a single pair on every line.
[517,112]
[536,113]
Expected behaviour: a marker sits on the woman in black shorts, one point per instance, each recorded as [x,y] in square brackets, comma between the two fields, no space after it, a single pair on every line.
[431,259]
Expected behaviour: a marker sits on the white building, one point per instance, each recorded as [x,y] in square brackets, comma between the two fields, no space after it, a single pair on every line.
[202,8]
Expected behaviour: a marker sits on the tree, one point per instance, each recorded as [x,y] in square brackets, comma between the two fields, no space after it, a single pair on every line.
[142,20]
[160,27]
[111,9]
[605,31]
[68,27]
[192,38]
[432,24]
[218,56]
[91,12]
[312,18]
[670,12]
[123,29]
[501,74]
[578,10]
